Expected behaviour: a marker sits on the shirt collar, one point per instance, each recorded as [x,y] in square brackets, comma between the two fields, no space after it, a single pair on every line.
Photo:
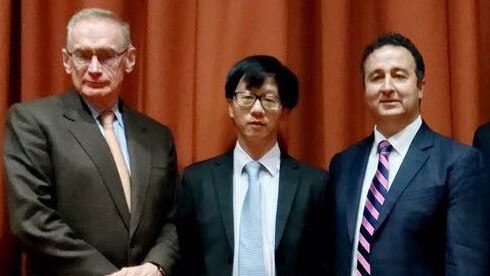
[96,112]
[270,160]
[400,141]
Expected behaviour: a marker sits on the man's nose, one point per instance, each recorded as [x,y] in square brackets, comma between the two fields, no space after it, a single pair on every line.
[387,84]
[94,65]
[257,107]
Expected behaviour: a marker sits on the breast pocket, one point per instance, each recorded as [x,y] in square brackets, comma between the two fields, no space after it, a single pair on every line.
[158,171]
[433,192]
[420,209]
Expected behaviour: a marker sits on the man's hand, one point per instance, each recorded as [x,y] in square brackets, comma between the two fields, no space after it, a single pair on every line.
[146,269]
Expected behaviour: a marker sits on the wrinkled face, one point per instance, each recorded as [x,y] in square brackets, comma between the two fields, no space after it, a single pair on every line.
[256,124]
[391,89]
[97,57]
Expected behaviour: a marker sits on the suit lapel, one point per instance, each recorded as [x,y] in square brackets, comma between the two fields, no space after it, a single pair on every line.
[86,132]
[354,185]
[414,160]
[289,176]
[140,160]
[222,172]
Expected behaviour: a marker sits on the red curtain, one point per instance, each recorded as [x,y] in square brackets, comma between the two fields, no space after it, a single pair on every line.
[186,47]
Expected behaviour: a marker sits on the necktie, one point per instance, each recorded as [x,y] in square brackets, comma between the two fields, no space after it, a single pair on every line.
[107,118]
[250,254]
[375,199]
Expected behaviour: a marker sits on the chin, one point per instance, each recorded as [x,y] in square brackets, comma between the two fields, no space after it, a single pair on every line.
[96,92]
[253,136]
[390,112]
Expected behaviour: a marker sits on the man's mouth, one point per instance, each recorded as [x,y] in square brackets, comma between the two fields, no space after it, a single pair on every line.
[95,84]
[256,123]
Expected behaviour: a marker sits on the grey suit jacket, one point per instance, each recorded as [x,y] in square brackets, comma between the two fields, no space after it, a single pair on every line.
[205,218]
[435,219]
[65,199]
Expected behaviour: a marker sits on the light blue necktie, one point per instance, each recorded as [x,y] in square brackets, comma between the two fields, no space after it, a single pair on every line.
[250,254]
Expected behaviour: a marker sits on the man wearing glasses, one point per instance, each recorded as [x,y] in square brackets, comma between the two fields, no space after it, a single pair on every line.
[254,210]
[91,181]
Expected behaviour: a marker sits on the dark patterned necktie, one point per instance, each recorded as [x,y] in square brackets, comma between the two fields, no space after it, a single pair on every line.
[374,202]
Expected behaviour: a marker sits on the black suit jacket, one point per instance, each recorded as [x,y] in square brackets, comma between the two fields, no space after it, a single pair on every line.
[481,141]
[65,199]
[436,217]
[205,218]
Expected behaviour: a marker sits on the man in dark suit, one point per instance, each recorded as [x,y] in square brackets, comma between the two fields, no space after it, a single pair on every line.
[215,232]
[481,141]
[419,206]
[81,205]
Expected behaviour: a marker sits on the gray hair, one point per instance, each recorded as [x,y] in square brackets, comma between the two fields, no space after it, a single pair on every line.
[100,13]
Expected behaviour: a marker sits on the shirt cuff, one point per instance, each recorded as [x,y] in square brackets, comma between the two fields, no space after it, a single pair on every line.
[160,269]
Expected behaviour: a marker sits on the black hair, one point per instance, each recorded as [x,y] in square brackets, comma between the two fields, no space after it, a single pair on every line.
[396,39]
[254,70]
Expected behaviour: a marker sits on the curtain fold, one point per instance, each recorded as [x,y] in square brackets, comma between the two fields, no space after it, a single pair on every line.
[185,49]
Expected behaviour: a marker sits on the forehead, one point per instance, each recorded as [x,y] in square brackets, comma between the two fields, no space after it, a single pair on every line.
[389,57]
[95,33]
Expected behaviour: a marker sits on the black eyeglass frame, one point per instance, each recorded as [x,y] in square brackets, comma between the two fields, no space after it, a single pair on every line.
[259,98]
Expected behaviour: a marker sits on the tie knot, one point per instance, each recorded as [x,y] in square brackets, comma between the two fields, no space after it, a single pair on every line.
[253,168]
[384,147]
[107,118]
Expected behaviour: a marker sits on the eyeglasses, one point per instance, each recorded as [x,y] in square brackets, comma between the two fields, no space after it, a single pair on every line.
[106,57]
[268,101]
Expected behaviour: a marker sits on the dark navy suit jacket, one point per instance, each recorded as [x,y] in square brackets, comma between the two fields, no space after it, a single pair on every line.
[436,217]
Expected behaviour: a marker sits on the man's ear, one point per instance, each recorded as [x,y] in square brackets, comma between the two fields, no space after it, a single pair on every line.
[130,60]
[66,60]
[230,109]
[421,86]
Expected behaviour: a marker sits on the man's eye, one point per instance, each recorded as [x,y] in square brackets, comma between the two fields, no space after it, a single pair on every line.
[83,54]
[104,55]
[247,97]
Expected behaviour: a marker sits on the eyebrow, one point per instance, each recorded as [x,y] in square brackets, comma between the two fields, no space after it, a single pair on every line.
[375,72]
[397,69]
[92,49]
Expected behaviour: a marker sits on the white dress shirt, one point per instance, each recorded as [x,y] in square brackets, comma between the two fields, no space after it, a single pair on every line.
[401,143]
[269,190]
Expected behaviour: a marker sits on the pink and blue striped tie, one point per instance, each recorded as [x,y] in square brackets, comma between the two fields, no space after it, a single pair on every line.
[374,202]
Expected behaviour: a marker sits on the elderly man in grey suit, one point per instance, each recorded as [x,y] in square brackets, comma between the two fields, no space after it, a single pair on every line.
[90,181]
